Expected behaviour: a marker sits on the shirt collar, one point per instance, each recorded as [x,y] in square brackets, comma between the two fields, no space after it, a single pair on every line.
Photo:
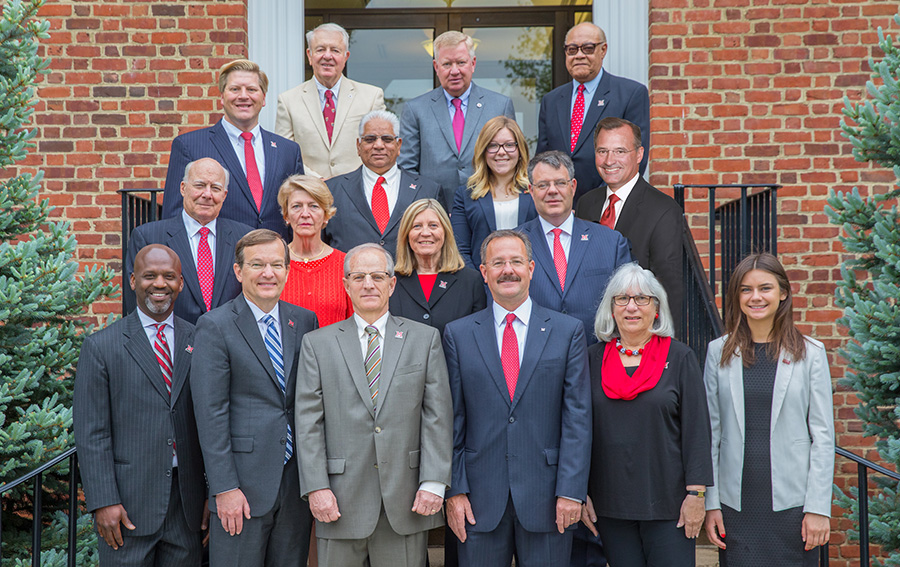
[522,312]
[147,321]
[192,226]
[370,177]
[322,88]
[566,226]
[590,86]
[625,190]
[235,133]
[379,324]
[258,313]
[463,97]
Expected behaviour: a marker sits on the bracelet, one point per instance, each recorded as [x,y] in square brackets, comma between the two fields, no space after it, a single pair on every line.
[697,493]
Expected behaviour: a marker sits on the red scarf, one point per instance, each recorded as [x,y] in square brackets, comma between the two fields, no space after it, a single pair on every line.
[618,385]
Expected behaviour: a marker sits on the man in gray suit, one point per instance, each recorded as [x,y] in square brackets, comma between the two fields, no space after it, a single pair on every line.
[373,422]
[245,360]
[440,128]
[135,428]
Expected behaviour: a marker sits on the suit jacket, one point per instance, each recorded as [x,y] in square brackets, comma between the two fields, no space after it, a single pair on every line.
[171,232]
[801,434]
[473,220]
[429,147]
[594,254]
[300,118]
[455,295]
[340,436]
[126,423]
[654,224]
[534,448]
[282,158]
[242,415]
[620,97]
[354,224]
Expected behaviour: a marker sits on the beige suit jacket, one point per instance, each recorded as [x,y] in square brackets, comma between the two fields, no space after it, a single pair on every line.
[299,118]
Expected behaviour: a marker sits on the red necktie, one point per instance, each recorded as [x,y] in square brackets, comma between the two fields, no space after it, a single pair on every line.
[577,117]
[459,123]
[328,113]
[559,258]
[161,348]
[256,188]
[608,218]
[205,267]
[380,205]
[509,355]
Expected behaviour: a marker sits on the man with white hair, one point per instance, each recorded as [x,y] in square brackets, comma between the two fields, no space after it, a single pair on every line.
[323,113]
[371,199]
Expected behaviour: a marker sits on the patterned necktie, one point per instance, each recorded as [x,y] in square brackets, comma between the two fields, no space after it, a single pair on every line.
[577,117]
[163,356]
[373,363]
[608,218]
[459,123]
[273,347]
[328,113]
[380,205]
[253,180]
[559,258]
[205,268]
[509,355]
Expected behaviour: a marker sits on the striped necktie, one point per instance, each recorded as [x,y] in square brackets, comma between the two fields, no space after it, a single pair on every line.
[163,356]
[373,363]
[273,347]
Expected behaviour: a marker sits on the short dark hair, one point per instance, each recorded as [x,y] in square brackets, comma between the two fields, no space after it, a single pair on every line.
[257,237]
[614,123]
[555,159]
[505,233]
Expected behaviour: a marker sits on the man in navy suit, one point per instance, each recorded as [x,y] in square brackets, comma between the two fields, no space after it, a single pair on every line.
[522,419]
[258,160]
[574,258]
[209,252]
[570,112]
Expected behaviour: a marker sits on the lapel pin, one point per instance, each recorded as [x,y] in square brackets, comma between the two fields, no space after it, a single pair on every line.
[666,366]
[412,186]
[398,335]
[273,144]
[443,284]
[189,349]
[290,324]
[478,105]
[786,361]
[585,237]
[543,329]
[601,102]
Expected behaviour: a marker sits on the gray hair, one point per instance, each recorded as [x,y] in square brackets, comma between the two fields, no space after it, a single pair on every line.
[628,279]
[598,29]
[505,233]
[453,38]
[187,172]
[328,27]
[388,259]
[380,115]
[555,159]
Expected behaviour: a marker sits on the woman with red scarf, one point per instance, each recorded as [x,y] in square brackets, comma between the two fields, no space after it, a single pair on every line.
[650,457]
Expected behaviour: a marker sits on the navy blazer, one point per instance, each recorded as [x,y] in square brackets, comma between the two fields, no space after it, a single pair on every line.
[533,448]
[455,295]
[282,158]
[171,232]
[615,96]
[473,220]
[594,254]
[354,224]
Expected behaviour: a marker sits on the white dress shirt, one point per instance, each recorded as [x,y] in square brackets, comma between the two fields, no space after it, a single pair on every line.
[320,88]
[234,135]
[520,324]
[506,213]
[258,315]
[149,326]
[622,193]
[565,237]
[391,185]
[464,98]
[192,227]
[590,88]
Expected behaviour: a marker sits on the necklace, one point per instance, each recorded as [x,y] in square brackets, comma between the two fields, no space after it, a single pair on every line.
[628,351]
[296,256]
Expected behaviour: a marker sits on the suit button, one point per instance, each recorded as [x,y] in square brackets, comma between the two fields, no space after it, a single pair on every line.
[426,316]
[169,441]
[376,465]
[283,440]
[332,164]
[382,242]
[378,430]
[169,473]
[512,420]
[564,312]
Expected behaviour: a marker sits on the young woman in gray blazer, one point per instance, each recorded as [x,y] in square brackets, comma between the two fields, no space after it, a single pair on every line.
[771,410]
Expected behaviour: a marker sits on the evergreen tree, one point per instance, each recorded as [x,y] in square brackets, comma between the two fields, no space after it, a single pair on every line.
[41,298]
[870,288]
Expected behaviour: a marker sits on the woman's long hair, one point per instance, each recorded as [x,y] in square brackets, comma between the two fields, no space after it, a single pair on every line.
[479,183]
[783,336]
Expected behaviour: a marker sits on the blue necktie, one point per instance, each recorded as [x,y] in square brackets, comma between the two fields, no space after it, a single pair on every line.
[273,347]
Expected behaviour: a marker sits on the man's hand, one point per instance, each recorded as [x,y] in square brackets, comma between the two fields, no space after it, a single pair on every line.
[816,530]
[459,511]
[427,503]
[107,520]
[589,517]
[232,507]
[567,513]
[324,506]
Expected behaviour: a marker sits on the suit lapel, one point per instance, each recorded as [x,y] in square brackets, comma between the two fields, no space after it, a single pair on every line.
[542,257]
[288,345]
[487,208]
[138,346]
[249,329]
[486,339]
[310,98]
[564,114]
[226,241]
[405,196]
[270,183]
[474,110]
[631,208]
[523,210]
[181,356]
[783,373]
[344,101]
[349,347]
[535,341]
[395,335]
[177,240]
[442,115]
[220,141]
[444,282]
[592,115]
[577,249]
[735,373]
[413,289]
[357,194]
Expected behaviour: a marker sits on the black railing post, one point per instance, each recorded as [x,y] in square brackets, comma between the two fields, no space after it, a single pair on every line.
[712,239]
[863,482]
[745,224]
[73,507]
[38,510]
[774,215]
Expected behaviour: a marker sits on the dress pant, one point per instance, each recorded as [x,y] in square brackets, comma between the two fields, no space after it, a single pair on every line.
[384,548]
[646,543]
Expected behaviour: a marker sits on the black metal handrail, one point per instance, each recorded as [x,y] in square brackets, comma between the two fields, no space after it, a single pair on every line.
[136,210]
[700,318]
[37,475]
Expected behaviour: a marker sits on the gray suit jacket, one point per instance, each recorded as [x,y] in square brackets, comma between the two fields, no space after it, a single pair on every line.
[429,147]
[802,430]
[364,458]
[126,423]
[242,416]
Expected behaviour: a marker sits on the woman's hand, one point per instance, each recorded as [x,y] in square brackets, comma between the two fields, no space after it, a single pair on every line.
[816,530]
[589,517]
[693,510]
[715,528]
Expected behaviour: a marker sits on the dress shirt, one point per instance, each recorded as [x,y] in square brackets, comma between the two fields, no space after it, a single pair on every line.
[464,99]
[622,193]
[431,486]
[234,134]
[391,185]
[565,237]
[506,213]
[149,326]
[258,315]
[520,325]
[193,233]
[320,88]
[590,88]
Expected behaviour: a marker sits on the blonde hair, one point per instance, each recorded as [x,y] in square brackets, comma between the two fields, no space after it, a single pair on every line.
[241,65]
[450,260]
[479,183]
[312,185]
[453,38]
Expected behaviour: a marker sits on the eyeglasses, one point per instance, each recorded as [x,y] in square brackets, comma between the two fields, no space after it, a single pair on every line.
[516,263]
[360,277]
[617,152]
[508,147]
[560,184]
[259,266]
[372,139]
[640,300]
[586,48]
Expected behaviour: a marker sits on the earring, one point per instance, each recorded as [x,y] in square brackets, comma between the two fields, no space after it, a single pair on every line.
[656,316]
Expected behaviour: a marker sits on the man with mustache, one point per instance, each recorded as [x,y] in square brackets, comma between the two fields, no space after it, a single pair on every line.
[135,429]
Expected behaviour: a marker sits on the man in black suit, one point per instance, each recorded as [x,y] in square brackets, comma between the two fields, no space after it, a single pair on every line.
[569,113]
[651,220]
[135,428]
[203,241]
[371,200]
[244,376]
[258,160]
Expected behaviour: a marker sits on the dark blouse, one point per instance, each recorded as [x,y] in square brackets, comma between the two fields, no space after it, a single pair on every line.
[646,450]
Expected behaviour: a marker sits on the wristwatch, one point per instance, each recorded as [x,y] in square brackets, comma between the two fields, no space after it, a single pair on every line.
[697,493]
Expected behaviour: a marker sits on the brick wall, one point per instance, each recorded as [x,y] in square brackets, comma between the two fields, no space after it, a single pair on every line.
[750,91]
